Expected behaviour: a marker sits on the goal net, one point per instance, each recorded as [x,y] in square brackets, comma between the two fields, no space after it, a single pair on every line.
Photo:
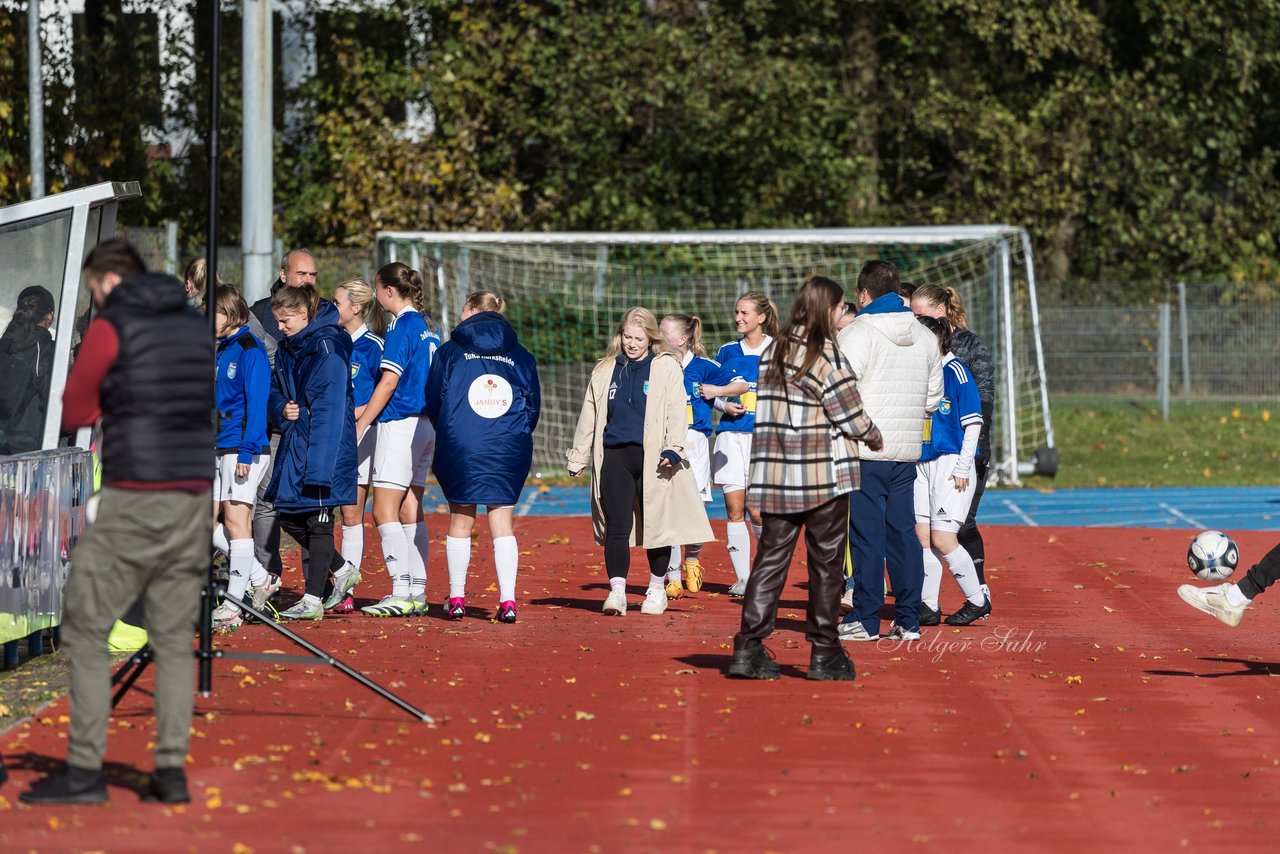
[566,293]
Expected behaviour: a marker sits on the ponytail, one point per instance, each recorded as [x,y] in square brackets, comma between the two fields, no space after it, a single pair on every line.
[949,299]
[405,281]
[763,305]
[691,328]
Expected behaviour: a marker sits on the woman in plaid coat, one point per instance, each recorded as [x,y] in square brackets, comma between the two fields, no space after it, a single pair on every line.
[804,464]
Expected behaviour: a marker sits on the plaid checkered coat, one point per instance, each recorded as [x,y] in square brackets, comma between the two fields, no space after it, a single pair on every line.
[802,453]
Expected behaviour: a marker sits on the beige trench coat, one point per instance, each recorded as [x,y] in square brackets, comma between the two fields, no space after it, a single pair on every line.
[672,513]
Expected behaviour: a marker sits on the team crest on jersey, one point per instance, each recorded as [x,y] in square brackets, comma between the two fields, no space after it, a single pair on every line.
[944,406]
[355,369]
[490,396]
[231,371]
[646,386]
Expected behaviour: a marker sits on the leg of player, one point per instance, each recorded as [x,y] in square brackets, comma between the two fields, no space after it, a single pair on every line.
[1227,602]
[506,559]
[930,614]
[415,534]
[457,553]
[738,538]
[342,599]
[977,606]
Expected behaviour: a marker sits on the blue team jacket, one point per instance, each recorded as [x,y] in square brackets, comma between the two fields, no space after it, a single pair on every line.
[316,464]
[484,398]
[244,381]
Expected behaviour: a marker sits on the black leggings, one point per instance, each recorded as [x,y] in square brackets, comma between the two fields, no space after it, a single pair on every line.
[621,478]
[1262,574]
[314,532]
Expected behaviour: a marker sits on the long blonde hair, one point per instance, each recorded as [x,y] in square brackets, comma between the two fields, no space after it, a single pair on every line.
[948,298]
[643,318]
[361,294]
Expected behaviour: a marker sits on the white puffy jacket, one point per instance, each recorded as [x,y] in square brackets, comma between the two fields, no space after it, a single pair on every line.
[899,377]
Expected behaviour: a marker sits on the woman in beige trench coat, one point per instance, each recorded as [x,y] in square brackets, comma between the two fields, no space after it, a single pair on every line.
[631,433]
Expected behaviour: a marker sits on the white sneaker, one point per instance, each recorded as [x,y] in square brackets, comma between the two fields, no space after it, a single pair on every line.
[655,601]
[258,596]
[846,601]
[1213,601]
[615,604]
[738,589]
[227,616]
[855,631]
[897,632]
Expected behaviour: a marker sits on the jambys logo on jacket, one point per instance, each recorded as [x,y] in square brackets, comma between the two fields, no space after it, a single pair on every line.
[489,396]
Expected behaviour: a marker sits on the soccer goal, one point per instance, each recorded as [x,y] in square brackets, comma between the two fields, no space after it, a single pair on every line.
[567,291]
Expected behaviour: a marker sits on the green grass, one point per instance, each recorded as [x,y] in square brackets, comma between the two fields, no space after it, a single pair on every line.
[1116,442]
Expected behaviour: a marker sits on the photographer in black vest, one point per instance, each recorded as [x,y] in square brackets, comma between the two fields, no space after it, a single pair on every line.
[145,368]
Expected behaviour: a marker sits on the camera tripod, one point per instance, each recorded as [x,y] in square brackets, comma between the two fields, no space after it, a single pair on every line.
[205,653]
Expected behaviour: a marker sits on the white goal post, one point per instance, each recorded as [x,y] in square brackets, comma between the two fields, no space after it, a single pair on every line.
[566,291]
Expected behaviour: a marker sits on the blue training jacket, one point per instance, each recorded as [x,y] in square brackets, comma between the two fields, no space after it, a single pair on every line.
[243,384]
[315,466]
[484,398]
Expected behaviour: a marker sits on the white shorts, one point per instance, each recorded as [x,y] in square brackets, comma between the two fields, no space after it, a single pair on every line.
[730,467]
[403,451]
[228,487]
[364,456]
[937,501]
[698,451]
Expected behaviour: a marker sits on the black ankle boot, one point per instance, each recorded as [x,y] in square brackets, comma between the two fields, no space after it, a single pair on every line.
[928,616]
[69,786]
[168,786]
[754,662]
[837,667]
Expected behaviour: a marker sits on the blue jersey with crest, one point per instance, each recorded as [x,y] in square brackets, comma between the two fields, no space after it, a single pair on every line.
[960,406]
[410,346]
[699,370]
[366,359]
[743,363]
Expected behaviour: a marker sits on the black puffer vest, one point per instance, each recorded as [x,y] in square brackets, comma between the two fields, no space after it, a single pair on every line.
[157,399]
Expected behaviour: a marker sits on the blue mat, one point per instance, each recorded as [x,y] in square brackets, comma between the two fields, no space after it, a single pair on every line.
[1250,508]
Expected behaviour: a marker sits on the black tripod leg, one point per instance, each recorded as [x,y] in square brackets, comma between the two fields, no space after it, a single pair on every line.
[129,673]
[328,659]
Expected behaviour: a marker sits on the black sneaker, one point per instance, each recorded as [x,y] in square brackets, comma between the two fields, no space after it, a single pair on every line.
[970,613]
[754,662]
[928,616]
[831,668]
[70,786]
[168,786]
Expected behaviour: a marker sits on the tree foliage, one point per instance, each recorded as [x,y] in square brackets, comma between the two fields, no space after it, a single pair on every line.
[1135,140]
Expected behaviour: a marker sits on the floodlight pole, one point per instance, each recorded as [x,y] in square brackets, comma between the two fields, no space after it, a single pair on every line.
[35,97]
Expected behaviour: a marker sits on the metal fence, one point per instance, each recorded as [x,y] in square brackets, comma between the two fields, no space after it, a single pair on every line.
[1188,349]
[42,512]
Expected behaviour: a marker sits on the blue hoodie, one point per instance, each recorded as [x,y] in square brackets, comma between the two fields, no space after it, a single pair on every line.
[315,466]
[483,397]
[243,384]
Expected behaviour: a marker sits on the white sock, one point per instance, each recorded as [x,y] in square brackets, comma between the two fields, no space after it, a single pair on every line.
[506,557]
[395,551]
[757,530]
[313,601]
[457,554]
[220,541]
[257,574]
[416,536]
[240,562]
[739,544]
[618,585]
[673,565]
[1235,598]
[966,576]
[932,579]
[353,544]
[658,581]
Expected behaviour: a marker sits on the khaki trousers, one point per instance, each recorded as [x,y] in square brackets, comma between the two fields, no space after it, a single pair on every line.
[153,545]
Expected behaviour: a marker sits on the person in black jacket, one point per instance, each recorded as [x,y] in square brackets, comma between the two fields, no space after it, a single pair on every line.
[144,373]
[26,361]
[935,301]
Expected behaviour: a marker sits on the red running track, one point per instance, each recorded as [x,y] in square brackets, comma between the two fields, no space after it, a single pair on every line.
[1094,709]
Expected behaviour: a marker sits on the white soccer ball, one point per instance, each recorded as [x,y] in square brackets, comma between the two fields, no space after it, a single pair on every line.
[1212,556]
